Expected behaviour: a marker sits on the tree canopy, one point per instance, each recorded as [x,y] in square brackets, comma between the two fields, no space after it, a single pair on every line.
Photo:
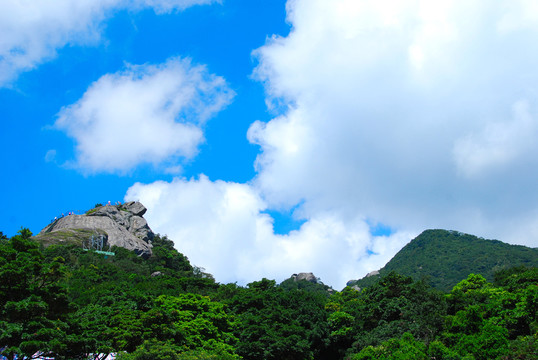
[62,302]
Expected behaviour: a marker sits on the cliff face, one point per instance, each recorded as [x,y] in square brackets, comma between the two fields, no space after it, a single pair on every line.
[122,225]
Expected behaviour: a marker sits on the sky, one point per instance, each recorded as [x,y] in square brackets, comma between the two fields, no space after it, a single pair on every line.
[270,137]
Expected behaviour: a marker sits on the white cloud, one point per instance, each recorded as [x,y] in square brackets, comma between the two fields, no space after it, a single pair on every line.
[145,114]
[32,31]
[498,144]
[221,226]
[395,107]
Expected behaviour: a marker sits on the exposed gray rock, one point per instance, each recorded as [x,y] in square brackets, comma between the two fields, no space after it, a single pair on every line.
[135,207]
[372,273]
[123,225]
[305,276]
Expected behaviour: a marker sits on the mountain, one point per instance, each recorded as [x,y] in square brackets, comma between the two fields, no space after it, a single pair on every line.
[102,227]
[62,302]
[444,257]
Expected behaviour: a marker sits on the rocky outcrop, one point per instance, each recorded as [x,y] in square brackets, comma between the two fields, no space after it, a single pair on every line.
[372,273]
[353,283]
[305,276]
[122,225]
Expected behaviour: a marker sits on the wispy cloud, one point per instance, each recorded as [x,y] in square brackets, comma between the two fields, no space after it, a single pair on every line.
[32,31]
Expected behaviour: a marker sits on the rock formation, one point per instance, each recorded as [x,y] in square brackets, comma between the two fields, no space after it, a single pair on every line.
[305,276]
[372,273]
[122,225]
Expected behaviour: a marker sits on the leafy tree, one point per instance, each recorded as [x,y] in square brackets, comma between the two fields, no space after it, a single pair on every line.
[341,323]
[32,302]
[404,348]
[165,256]
[438,351]
[161,350]
[517,277]
[153,350]
[192,322]
[278,324]
[393,306]
[483,319]
[88,333]
[523,348]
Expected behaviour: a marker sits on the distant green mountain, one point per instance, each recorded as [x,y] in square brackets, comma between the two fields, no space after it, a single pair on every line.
[445,257]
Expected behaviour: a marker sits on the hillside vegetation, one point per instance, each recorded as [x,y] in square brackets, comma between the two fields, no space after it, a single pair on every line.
[65,303]
[444,257]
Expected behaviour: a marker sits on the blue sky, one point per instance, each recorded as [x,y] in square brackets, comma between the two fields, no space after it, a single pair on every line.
[221,37]
[269,137]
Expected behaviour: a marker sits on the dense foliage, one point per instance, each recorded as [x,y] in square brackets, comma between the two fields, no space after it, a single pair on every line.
[444,257]
[66,303]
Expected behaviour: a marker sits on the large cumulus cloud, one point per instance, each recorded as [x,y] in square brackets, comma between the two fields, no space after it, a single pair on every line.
[413,113]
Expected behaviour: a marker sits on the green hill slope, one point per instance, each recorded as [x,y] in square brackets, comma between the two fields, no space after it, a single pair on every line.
[445,257]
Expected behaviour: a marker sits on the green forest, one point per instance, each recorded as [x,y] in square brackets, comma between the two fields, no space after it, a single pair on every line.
[62,302]
[445,257]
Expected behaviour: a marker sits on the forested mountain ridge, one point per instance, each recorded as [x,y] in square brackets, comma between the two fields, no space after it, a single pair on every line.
[445,257]
[63,302]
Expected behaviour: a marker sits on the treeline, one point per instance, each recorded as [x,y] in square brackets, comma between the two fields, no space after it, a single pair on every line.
[66,303]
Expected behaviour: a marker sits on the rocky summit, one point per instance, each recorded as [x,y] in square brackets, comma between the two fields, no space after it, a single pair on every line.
[310,277]
[121,225]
